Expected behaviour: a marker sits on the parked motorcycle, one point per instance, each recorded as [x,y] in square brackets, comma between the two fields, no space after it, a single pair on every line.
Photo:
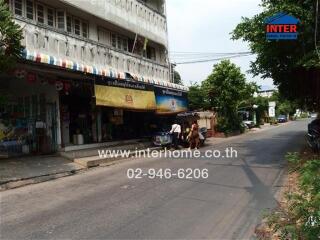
[162,138]
[203,135]
[313,137]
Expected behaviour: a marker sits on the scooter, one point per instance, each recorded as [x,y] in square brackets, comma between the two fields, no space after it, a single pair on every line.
[203,136]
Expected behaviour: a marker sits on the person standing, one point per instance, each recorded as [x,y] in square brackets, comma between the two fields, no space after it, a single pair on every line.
[194,137]
[176,133]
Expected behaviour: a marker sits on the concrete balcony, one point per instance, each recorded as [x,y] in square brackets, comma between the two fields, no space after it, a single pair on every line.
[131,15]
[101,59]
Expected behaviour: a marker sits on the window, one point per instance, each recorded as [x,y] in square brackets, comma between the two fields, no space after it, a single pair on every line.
[114,40]
[40,13]
[84,29]
[151,53]
[119,42]
[104,36]
[60,20]
[50,14]
[125,44]
[18,7]
[77,27]
[69,24]
[30,10]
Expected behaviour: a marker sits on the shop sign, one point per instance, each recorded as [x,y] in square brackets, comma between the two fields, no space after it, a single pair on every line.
[282,26]
[170,101]
[124,84]
[126,98]
[124,94]
[272,109]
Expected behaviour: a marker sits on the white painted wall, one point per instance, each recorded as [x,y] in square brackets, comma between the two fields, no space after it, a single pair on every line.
[88,52]
[128,14]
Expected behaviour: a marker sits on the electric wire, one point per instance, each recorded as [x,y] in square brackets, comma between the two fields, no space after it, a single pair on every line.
[197,57]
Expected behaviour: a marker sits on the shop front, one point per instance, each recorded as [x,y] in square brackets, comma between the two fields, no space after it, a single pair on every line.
[43,110]
[28,113]
[77,112]
[131,109]
[126,109]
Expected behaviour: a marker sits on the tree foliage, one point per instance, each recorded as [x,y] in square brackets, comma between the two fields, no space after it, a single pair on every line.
[283,105]
[226,90]
[10,37]
[196,98]
[279,59]
[177,78]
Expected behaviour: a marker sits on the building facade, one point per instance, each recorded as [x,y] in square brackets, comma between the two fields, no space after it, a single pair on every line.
[91,71]
[266,93]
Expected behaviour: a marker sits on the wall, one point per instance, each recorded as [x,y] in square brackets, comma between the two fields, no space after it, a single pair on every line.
[89,52]
[131,15]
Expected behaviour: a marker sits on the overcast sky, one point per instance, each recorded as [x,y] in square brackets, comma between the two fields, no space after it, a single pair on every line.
[205,26]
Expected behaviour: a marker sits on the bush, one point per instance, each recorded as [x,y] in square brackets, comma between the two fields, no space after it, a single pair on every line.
[301,218]
[304,115]
[229,125]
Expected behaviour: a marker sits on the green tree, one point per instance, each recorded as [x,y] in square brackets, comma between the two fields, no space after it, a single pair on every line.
[226,90]
[283,106]
[196,98]
[263,108]
[280,59]
[177,78]
[10,37]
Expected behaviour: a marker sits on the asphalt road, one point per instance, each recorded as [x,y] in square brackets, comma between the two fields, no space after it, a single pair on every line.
[104,204]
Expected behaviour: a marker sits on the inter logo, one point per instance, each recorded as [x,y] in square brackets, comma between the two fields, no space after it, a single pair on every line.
[282,27]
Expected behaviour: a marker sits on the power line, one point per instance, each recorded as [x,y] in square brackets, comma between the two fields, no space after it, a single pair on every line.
[190,56]
[222,53]
[200,57]
[205,55]
[214,59]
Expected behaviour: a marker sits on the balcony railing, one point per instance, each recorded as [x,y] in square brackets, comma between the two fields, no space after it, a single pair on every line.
[129,14]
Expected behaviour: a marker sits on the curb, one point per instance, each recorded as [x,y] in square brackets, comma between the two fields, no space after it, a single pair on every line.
[12,184]
[37,179]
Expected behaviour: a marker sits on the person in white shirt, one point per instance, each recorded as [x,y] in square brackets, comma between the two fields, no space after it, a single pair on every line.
[176,133]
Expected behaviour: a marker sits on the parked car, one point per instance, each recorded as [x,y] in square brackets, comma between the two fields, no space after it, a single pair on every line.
[313,115]
[313,137]
[248,124]
[282,119]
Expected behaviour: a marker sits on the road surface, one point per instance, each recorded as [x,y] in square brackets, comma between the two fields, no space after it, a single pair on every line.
[104,204]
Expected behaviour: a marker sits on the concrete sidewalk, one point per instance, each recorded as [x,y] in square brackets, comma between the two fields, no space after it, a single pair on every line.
[20,171]
[15,172]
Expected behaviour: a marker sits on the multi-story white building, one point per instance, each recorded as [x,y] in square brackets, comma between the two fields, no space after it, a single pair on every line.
[116,36]
[92,71]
